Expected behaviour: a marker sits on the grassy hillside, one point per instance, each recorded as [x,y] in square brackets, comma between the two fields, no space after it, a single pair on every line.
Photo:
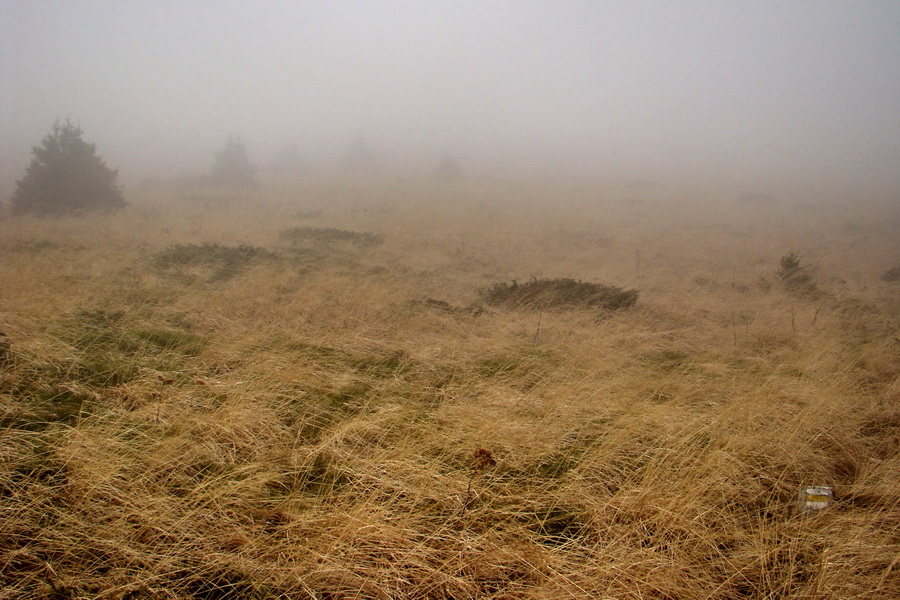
[306,392]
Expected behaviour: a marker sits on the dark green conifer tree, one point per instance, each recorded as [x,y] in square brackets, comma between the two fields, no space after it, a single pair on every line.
[66,176]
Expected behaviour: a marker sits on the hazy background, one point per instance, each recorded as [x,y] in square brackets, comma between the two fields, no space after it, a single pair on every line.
[798,97]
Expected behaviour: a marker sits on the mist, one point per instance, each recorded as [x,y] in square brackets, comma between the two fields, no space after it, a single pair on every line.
[798,99]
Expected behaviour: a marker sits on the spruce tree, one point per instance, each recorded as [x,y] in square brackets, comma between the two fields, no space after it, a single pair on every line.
[66,176]
[232,167]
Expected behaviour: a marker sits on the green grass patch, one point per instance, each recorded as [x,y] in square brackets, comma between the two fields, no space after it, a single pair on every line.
[224,262]
[110,351]
[172,340]
[330,235]
[105,351]
[388,364]
[310,410]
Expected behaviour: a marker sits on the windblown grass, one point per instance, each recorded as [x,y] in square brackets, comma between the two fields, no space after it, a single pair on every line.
[280,433]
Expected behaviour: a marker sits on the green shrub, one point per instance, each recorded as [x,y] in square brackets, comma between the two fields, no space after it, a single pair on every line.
[542,294]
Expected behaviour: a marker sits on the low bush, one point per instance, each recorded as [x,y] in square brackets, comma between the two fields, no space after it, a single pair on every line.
[542,294]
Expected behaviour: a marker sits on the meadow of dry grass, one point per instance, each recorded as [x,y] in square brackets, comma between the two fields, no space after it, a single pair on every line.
[196,404]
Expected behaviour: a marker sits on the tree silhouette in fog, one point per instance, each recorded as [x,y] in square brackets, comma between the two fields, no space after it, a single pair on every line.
[231,165]
[287,160]
[447,171]
[66,176]
[358,157]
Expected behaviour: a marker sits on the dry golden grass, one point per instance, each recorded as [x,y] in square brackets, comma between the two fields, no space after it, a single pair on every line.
[306,423]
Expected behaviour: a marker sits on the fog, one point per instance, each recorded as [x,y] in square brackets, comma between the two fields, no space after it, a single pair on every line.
[770,97]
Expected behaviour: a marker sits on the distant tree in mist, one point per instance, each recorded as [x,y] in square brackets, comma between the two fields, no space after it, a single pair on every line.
[66,176]
[231,165]
[358,157]
[447,171]
[287,160]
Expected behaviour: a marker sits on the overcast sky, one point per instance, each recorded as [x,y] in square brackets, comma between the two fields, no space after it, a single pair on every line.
[766,95]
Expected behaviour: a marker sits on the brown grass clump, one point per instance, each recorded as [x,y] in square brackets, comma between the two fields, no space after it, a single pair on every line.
[543,294]
[326,433]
